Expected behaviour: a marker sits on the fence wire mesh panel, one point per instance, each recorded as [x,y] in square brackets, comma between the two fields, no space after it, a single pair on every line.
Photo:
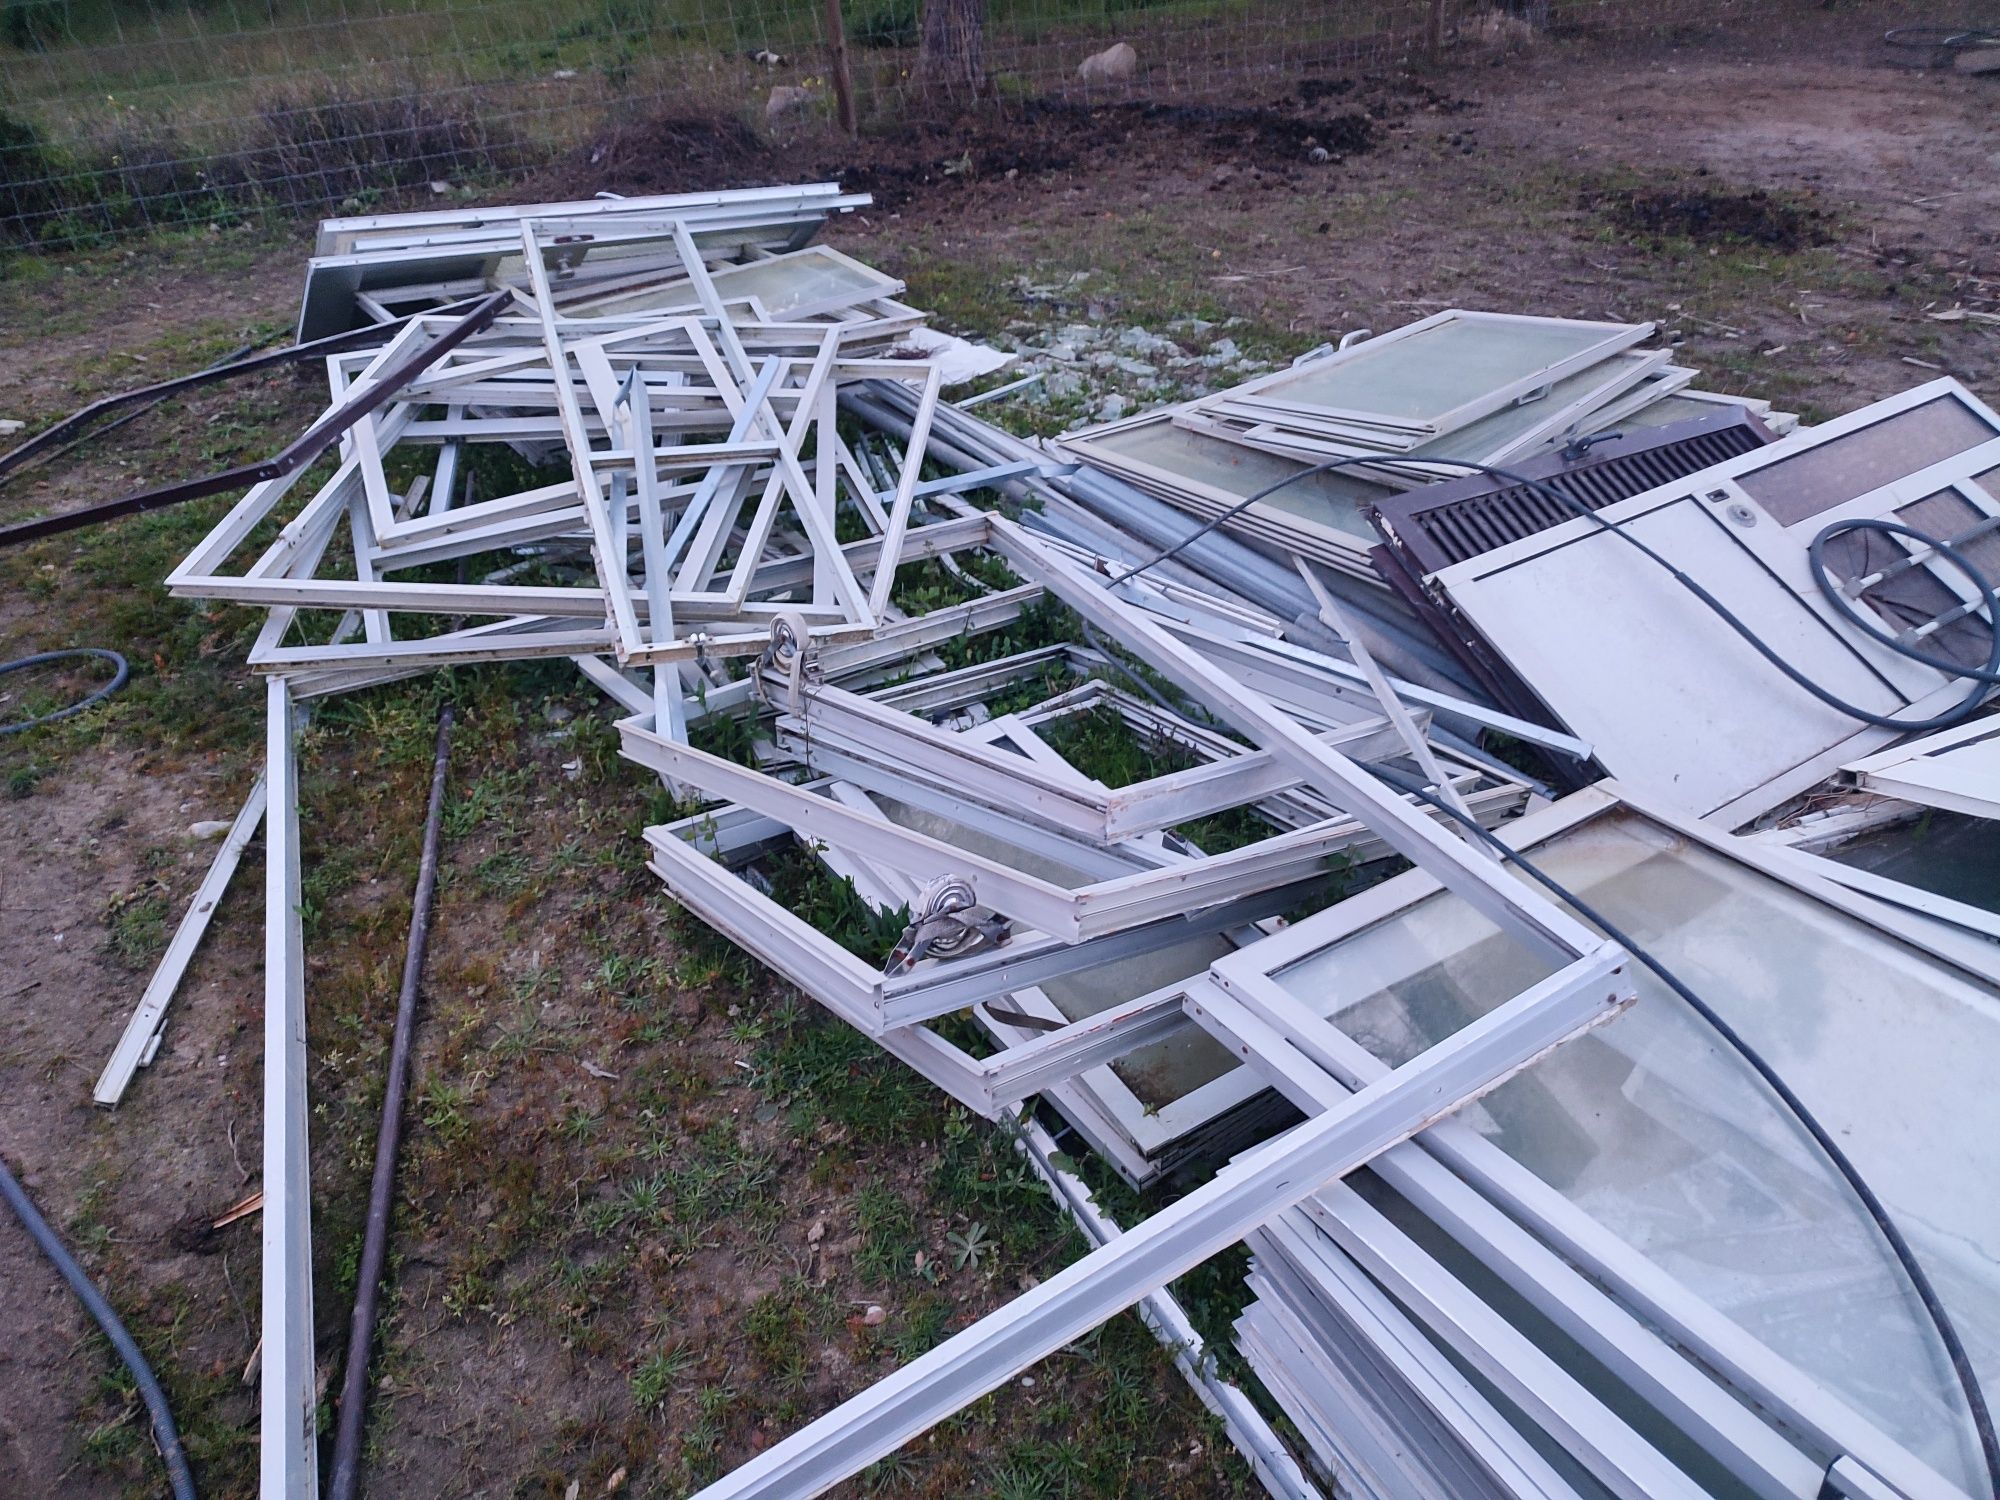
[127,115]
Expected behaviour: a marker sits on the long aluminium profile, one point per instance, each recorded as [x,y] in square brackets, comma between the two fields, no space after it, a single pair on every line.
[288,1404]
[141,1035]
[1252,1189]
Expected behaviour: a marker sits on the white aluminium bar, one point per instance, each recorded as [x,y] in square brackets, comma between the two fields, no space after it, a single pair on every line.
[906,486]
[1257,1186]
[135,1046]
[1523,914]
[287,1445]
[1254,1012]
[612,567]
[1241,1420]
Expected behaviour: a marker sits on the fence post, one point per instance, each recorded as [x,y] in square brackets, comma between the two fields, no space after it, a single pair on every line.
[843,81]
[1433,29]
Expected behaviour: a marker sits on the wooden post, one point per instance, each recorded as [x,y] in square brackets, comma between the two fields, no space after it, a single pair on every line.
[952,55]
[1433,29]
[843,81]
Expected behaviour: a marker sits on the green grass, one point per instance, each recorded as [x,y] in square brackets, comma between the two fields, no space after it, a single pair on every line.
[138,928]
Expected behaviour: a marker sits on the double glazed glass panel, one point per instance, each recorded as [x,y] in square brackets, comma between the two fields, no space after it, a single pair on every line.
[1660,1131]
[1421,379]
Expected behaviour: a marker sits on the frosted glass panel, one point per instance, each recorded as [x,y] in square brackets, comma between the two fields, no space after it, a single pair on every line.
[977,841]
[807,278]
[1425,376]
[1329,499]
[1493,434]
[1657,1129]
[810,278]
[1671,409]
[1831,473]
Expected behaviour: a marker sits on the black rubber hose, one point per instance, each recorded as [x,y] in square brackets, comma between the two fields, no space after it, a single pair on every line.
[242,362]
[1906,1257]
[165,1434]
[118,680]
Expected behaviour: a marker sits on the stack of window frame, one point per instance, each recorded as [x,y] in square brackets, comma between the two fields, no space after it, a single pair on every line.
[1390,1343]
[1209,455]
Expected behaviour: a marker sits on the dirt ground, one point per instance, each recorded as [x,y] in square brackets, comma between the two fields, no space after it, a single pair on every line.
[647,1200]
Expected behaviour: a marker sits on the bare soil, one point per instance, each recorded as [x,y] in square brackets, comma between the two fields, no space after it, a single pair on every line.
[1793,210]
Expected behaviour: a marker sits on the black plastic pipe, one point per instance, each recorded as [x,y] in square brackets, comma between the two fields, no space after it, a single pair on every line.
[346,1477]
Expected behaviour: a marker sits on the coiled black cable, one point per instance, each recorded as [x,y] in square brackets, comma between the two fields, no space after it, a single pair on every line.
[1980,677]
[121,672]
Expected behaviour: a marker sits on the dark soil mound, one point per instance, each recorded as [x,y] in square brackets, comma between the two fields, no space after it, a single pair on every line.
[1036,138]
[1709,217]
[680,153]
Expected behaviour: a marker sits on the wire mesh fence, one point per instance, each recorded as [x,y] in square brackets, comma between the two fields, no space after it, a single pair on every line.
[119,116]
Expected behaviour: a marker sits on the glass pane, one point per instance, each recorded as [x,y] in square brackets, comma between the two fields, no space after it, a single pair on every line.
[1945,853]
[1658,1130]
[1490,435]
[1671,409]
[1331,500]
[1845,468]
[1175,1066]
[978,841]
[793,281]
[1423,377]
[782,285]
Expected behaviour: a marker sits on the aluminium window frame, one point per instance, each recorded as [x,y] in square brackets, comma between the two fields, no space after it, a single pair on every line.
[1139,1137]
[1895,772]
[1417,467]
[1763,1377]
[1256,401]
[1250,1190]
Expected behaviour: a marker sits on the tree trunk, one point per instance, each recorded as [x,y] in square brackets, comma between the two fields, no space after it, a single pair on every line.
[953,55]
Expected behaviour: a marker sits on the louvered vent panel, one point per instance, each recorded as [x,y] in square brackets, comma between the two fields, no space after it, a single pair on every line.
[1443,524]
